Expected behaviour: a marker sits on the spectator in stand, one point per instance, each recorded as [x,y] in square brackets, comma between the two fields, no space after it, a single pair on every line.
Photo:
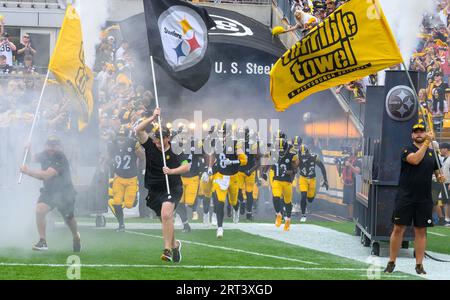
[4,67]
[28,67]
[331,7]
[120,53]
[24,49]
[7,48]
[440,108]
[304,22]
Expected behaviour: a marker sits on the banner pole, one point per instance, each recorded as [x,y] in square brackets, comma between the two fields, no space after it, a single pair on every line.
[427,126]
[30,136]
[160,127]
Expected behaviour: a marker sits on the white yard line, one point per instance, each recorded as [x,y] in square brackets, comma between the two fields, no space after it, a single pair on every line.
[435,233]
[230,249]
[180,267]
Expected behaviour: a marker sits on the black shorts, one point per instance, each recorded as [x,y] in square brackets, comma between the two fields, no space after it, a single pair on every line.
[417,214]
[63,201]
[349,194]
[156,197]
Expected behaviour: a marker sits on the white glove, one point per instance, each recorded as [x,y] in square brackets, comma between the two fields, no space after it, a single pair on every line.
[235,162]
[205,177]
[227,162]
[210,172]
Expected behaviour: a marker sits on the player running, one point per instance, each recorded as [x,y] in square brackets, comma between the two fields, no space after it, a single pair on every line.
[191,180]
[284,166]
[226,161]
[307,180]
[124,152]
[247,175]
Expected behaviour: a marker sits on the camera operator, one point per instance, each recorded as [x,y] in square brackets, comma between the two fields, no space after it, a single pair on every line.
[352,167]
[414,203]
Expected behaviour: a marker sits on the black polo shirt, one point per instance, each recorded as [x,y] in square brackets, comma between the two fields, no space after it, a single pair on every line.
[415,181]
[154,176]
[62,182]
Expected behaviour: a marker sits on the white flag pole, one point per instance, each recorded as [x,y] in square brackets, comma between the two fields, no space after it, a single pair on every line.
[160,127]
[30,136]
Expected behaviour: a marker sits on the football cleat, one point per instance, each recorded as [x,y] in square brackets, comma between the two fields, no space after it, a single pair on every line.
[278,220]
[287,224]
[176,253]
[235,216]
[214,219]
[206,219]
[167,255]
[41,245]
[303,219]
[186,228]
[121,228]
[220,232]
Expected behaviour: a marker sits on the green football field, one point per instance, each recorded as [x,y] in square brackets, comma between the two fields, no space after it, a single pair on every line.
[135,254]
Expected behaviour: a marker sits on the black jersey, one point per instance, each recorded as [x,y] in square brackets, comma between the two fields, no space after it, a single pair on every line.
[251,150]
[154,176]
[62,182]
[194,156]
[283,164]
[124,158]
[227,152]
[307,165]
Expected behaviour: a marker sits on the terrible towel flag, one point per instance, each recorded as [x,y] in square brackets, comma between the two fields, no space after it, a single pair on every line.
[69,67]
[178,40]
[353,42]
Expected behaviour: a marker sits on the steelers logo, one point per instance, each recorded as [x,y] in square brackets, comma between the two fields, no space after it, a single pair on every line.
[429,221]
[287,161]
[184,37]
[401,104]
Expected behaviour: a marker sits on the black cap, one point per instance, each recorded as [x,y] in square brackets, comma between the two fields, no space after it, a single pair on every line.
[165,132]
[444,146]
[53,141]
[417,127]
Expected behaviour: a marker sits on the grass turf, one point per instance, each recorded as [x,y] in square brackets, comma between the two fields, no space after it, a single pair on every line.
[106,247]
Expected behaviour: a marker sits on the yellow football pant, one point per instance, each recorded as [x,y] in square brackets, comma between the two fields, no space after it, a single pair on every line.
[282,189]
[206,188]
[124,191]
[232,190]
[190,189]
[247,183]
[307,185]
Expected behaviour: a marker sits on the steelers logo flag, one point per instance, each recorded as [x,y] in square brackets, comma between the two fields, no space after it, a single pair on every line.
[353,42]
[178,40]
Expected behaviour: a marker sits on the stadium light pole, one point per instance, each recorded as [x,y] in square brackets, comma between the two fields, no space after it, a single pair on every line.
[159,124]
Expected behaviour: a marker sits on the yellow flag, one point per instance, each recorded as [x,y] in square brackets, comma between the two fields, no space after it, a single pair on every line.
[353,42]
[69,67]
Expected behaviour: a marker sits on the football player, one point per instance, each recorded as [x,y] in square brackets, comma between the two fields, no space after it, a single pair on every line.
[284,166]
[247,175]
[228,156]
[191,180]
[124,152]
[307,180]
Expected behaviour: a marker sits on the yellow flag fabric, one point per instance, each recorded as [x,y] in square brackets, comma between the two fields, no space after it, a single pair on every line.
[69,67]
[353,42]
